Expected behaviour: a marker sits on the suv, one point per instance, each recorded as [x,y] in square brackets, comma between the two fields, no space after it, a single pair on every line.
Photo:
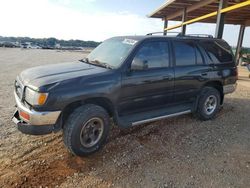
[129,80]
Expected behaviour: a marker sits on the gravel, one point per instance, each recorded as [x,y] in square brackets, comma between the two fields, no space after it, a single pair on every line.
[176,152]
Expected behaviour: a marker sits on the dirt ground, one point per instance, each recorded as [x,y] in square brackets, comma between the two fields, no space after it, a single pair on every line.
[176,152]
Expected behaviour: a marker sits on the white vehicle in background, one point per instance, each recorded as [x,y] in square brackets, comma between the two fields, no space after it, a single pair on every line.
[29,45]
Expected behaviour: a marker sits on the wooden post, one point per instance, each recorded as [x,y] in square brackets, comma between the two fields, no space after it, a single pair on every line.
[184,18]
[239,43]
[220,20]
[165,26]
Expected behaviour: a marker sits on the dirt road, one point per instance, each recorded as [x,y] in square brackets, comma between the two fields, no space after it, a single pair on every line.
[177,152]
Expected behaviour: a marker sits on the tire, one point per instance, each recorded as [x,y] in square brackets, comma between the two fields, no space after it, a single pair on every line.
[208,103]
[79,136]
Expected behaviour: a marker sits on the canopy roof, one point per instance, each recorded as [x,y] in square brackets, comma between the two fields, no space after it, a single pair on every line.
[173,10]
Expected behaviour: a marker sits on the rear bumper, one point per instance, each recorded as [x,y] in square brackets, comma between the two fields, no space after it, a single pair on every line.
[229,88]
[38,123]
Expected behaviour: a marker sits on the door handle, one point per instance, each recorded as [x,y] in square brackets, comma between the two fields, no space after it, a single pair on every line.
[203,74]
[166,77]
[148,81]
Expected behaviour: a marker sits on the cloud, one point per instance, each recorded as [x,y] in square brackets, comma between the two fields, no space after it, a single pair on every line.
[58,18]
[41,18]
[90,1]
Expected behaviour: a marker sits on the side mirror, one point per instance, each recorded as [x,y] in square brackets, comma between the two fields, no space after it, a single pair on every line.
[138,64]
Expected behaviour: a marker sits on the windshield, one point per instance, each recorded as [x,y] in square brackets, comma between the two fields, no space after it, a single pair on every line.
[111,52]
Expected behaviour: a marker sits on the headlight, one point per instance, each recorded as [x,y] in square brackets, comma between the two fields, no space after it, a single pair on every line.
[35,98]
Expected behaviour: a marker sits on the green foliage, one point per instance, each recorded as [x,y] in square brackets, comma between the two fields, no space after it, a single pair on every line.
[245,51]
[50,42]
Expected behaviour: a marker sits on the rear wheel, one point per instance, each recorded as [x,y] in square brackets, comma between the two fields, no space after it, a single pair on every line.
[86,130]
[208,104]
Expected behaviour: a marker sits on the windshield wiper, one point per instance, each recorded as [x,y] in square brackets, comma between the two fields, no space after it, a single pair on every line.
[97,63]
[85,60]
[102,64]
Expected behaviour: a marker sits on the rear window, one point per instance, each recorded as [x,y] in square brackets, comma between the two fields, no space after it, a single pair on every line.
[184,53]
[218,51]
[187,53]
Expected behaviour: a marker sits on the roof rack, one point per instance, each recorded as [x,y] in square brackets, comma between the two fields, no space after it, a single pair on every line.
[196,35]
[178,34]
[163,33]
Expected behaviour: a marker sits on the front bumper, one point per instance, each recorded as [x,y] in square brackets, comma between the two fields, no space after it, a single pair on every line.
[38,122]
[229,88]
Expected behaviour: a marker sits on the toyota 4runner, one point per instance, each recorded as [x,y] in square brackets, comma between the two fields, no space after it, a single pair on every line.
[129,80]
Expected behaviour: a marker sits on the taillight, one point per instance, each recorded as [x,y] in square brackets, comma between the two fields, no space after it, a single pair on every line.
[237,73]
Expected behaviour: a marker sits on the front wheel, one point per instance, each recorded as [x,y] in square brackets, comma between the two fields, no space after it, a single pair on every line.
[208,104]
[86,130]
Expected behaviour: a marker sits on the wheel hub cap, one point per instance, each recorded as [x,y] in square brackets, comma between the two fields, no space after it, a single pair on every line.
[210,104]
[91,132]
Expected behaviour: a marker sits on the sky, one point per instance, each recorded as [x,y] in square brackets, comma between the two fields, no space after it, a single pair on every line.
[91,19]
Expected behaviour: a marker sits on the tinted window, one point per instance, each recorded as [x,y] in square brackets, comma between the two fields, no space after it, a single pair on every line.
[199,58]
[218,51]
[184,53]
[154,54]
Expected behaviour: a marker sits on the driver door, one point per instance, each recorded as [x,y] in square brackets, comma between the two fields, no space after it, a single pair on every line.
[149,81]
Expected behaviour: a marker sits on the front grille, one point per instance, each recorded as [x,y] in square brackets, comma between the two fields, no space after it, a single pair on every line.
[19,88]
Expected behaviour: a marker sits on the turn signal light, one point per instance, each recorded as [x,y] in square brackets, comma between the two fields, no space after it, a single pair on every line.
[24,115]
[42,98]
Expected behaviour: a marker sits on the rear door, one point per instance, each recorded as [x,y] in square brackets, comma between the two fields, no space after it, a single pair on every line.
[190,70]
[151,87]
[221,58]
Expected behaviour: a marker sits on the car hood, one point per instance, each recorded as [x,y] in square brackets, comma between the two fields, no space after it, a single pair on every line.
[49,74]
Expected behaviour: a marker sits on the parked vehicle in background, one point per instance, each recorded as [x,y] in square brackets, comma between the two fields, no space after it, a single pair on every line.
[129,80]
[29,45]
[245,60]
[8,44]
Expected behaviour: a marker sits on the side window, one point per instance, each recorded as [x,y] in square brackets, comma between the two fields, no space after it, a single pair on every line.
[218,51]
[151,55]
[184,53]
[199,57]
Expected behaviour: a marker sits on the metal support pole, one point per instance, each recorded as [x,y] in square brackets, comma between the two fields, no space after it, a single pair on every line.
[184,18]
[239,43]
[220,20]
[165,26]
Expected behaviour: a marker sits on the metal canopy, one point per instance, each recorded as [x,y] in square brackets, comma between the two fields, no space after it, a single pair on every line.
[220,12]
[173,10]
